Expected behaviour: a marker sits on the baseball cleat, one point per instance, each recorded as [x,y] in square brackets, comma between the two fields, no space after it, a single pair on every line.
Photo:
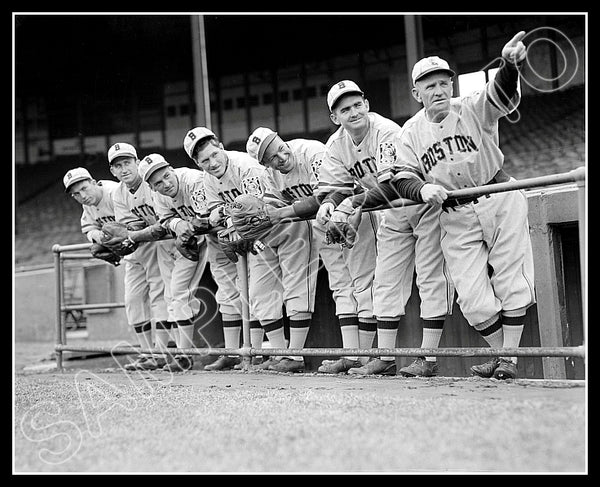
[288,365]
[267,363]
[180,363]
[223,363]
[338,366]
[138,363]
[255,361]
[485,370]
[420,368]
[506,369]
[376,367]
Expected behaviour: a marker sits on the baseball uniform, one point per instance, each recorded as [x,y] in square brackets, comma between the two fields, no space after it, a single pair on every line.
[242,176]
[462,151]
[284,274]
[184,277]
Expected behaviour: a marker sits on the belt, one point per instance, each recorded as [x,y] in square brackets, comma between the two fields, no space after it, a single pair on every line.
[500,177]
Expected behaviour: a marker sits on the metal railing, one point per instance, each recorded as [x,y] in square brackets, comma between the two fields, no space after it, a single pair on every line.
[578,176]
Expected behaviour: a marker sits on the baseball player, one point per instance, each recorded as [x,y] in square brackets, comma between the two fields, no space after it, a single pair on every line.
[285,273]
[227,174]
[452,143]
[407,238]
[96,198]
[351,160]
[178,196]
[146,299]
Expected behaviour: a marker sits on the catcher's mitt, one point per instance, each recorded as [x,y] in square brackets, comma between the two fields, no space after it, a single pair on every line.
[115,236]
[189,248]
[104,253]
[250,217]
[344,233]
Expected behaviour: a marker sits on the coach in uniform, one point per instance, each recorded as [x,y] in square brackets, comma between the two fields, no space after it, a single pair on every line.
[452,143]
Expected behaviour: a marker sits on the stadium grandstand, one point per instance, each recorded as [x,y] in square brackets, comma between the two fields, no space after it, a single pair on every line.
[547,137]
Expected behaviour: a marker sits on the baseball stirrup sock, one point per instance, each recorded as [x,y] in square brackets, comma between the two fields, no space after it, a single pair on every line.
[162,335]
[432,334]
[275,333]
[298,333]
[386,335]
[231,333]
[143,332]
[366,334]
[186,333]
[493,334]
[512,327]
[257,334]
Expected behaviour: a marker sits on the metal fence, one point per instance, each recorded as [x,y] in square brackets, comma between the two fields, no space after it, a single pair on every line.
[65,252]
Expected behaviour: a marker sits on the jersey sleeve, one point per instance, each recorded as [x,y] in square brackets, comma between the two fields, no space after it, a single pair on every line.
[407,164]
[333,178]
[489,105]
[253,179]
[197,192]
[88,222]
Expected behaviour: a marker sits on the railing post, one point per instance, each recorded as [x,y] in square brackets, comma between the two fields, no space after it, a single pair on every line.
[58,308]
[242,267]
[582,255]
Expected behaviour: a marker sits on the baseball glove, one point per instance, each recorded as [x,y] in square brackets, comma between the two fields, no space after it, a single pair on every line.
[344,233]
[189,248]
[104,253]
[115,236]
[232,245]
[250,217]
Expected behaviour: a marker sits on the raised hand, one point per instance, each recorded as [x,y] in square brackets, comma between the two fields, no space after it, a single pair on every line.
[514,51]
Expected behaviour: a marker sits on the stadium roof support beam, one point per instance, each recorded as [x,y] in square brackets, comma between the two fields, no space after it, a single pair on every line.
[413,32]
[201,89]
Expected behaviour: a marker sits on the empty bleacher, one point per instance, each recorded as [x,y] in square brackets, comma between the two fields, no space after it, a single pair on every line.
[547,137]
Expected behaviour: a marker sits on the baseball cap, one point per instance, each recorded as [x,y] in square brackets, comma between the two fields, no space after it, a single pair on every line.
[258,142]
[194,136]
[121,149]
[339,89]
[75,175]
[150,164]
[429,65]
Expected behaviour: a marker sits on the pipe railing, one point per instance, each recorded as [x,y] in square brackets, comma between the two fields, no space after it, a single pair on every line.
[62,252]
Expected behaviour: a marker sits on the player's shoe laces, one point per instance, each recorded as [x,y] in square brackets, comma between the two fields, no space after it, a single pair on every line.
[255,361]
[376,366]
[288,365]
[420,368]
[223,363]
[338,366]
[506,369]
[180,363]
[487,369]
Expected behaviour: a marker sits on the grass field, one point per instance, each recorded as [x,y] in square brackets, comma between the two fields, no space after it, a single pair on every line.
[95,418]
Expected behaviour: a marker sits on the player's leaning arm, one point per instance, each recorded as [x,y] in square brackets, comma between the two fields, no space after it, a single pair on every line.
[452,143]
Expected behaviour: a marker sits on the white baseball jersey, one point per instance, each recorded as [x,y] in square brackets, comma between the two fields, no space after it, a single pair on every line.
[346,163]
[302,180]
[188,203]
[244,175]
[93,217]
[459,152]
[462,151]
